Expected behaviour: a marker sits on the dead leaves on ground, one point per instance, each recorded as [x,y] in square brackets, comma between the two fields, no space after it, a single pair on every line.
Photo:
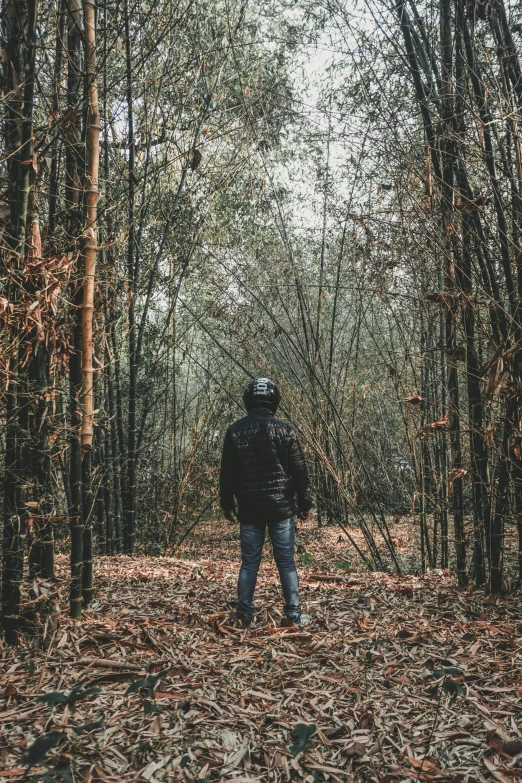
[157,683]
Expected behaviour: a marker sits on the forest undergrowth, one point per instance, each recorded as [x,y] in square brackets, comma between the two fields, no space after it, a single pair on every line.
[396,678]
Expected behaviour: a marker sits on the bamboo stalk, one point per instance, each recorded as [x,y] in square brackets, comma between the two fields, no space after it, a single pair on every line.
[90,244]
[130,510]
[72,194]
[447,210]
[19,69]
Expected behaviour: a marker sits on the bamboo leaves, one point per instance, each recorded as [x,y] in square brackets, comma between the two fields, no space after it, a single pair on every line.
[148,684]
[55,698]
[41,746]
[303,733]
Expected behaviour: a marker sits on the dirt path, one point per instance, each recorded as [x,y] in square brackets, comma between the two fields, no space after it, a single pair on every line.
[363,674]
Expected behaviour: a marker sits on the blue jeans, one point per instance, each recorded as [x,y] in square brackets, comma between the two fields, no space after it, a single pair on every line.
[282,535]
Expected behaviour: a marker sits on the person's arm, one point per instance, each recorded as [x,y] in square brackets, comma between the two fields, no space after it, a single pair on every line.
[226,477]
[298,472]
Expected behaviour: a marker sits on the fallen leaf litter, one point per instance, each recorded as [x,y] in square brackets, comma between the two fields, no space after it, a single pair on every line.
[220,703]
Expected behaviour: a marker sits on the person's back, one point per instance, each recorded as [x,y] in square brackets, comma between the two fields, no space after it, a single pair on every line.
[264,480]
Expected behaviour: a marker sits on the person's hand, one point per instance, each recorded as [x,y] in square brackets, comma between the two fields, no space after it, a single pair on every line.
[228,516]
[304,514]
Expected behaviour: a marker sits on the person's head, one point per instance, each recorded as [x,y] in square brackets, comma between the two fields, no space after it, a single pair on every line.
[262,391]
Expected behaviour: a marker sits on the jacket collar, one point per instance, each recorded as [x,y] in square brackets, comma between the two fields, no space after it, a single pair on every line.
[261,410]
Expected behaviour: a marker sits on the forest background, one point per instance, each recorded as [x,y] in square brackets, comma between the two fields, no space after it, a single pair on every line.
[193,194]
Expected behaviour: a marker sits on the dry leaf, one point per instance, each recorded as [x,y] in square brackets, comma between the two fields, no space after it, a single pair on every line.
[494,741]
[425,765]
[512,748]
[357,749]
[500,773]
[436,426]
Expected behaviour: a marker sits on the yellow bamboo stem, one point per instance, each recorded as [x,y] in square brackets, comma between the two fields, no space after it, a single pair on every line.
[90,244]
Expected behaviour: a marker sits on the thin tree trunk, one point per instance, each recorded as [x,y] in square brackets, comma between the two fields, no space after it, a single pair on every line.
[447,155]
[58,68]
[443,452]
[90,246]
[42,559]
[87,543]
[118,420]
[501,507]
[130,511]
[13,543]
[512,85]
[114,455]
[478,450]
[103,524]
[72,199]
[111,453]
[90,252]
[19,30]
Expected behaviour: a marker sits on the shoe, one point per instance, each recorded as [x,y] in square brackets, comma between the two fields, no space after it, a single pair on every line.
[244,621]
[287,622]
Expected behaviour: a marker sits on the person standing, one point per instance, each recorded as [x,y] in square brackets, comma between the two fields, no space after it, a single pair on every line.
[264,482]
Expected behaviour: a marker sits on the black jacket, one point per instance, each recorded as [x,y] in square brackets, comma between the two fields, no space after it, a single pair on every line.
[264,468]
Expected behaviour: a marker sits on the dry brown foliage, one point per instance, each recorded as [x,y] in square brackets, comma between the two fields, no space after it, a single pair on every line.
[33,309]
[363,671]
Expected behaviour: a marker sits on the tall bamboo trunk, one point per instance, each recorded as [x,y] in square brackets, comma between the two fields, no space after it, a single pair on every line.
[111,452]
[41,362]
[442,452]
[41,558]
[72,203]
[447,211]
[114,458]
[495,533]
[19,29]
[478,449]
[130,515]
[511,73]
[13,542]
[75,482]
[103,520]
[102,524]
[118,419]
[55,160]
[502,502]
[90,245]
[87,543]
[104,503]
[90,252]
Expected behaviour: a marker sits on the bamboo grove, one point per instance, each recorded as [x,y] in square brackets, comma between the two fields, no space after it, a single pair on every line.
[195,193]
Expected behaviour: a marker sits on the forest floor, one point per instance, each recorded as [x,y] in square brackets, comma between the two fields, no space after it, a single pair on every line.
[403,678]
